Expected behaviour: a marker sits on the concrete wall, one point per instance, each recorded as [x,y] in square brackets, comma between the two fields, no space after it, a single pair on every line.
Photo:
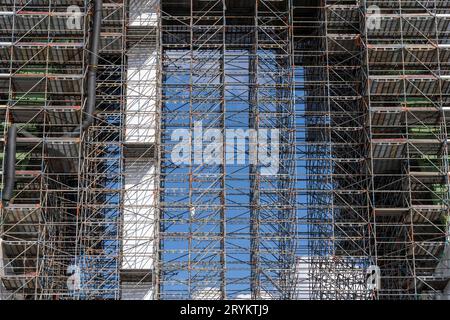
[443,267]
[446,292]
[443,271]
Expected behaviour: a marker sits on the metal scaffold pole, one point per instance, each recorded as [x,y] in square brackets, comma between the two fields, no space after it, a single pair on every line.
[224,149]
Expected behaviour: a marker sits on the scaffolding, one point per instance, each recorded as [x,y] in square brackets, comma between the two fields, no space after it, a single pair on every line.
[141,187]
[226,229]
[102,168]
[406,64]
[42,75]
[336,144]
[376,101]
[60,229]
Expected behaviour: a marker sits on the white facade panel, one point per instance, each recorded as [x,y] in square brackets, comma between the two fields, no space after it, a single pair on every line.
[133,291]
[141,75]
[143,13]
[141,96]
[139,214]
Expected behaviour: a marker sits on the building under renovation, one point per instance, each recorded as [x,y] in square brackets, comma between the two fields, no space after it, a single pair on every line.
[120,179]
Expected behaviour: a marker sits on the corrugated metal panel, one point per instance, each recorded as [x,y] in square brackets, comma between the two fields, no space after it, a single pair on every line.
[64,117]
[22,221]
[14,282]
[388,150]
[386,87]
[386,118]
